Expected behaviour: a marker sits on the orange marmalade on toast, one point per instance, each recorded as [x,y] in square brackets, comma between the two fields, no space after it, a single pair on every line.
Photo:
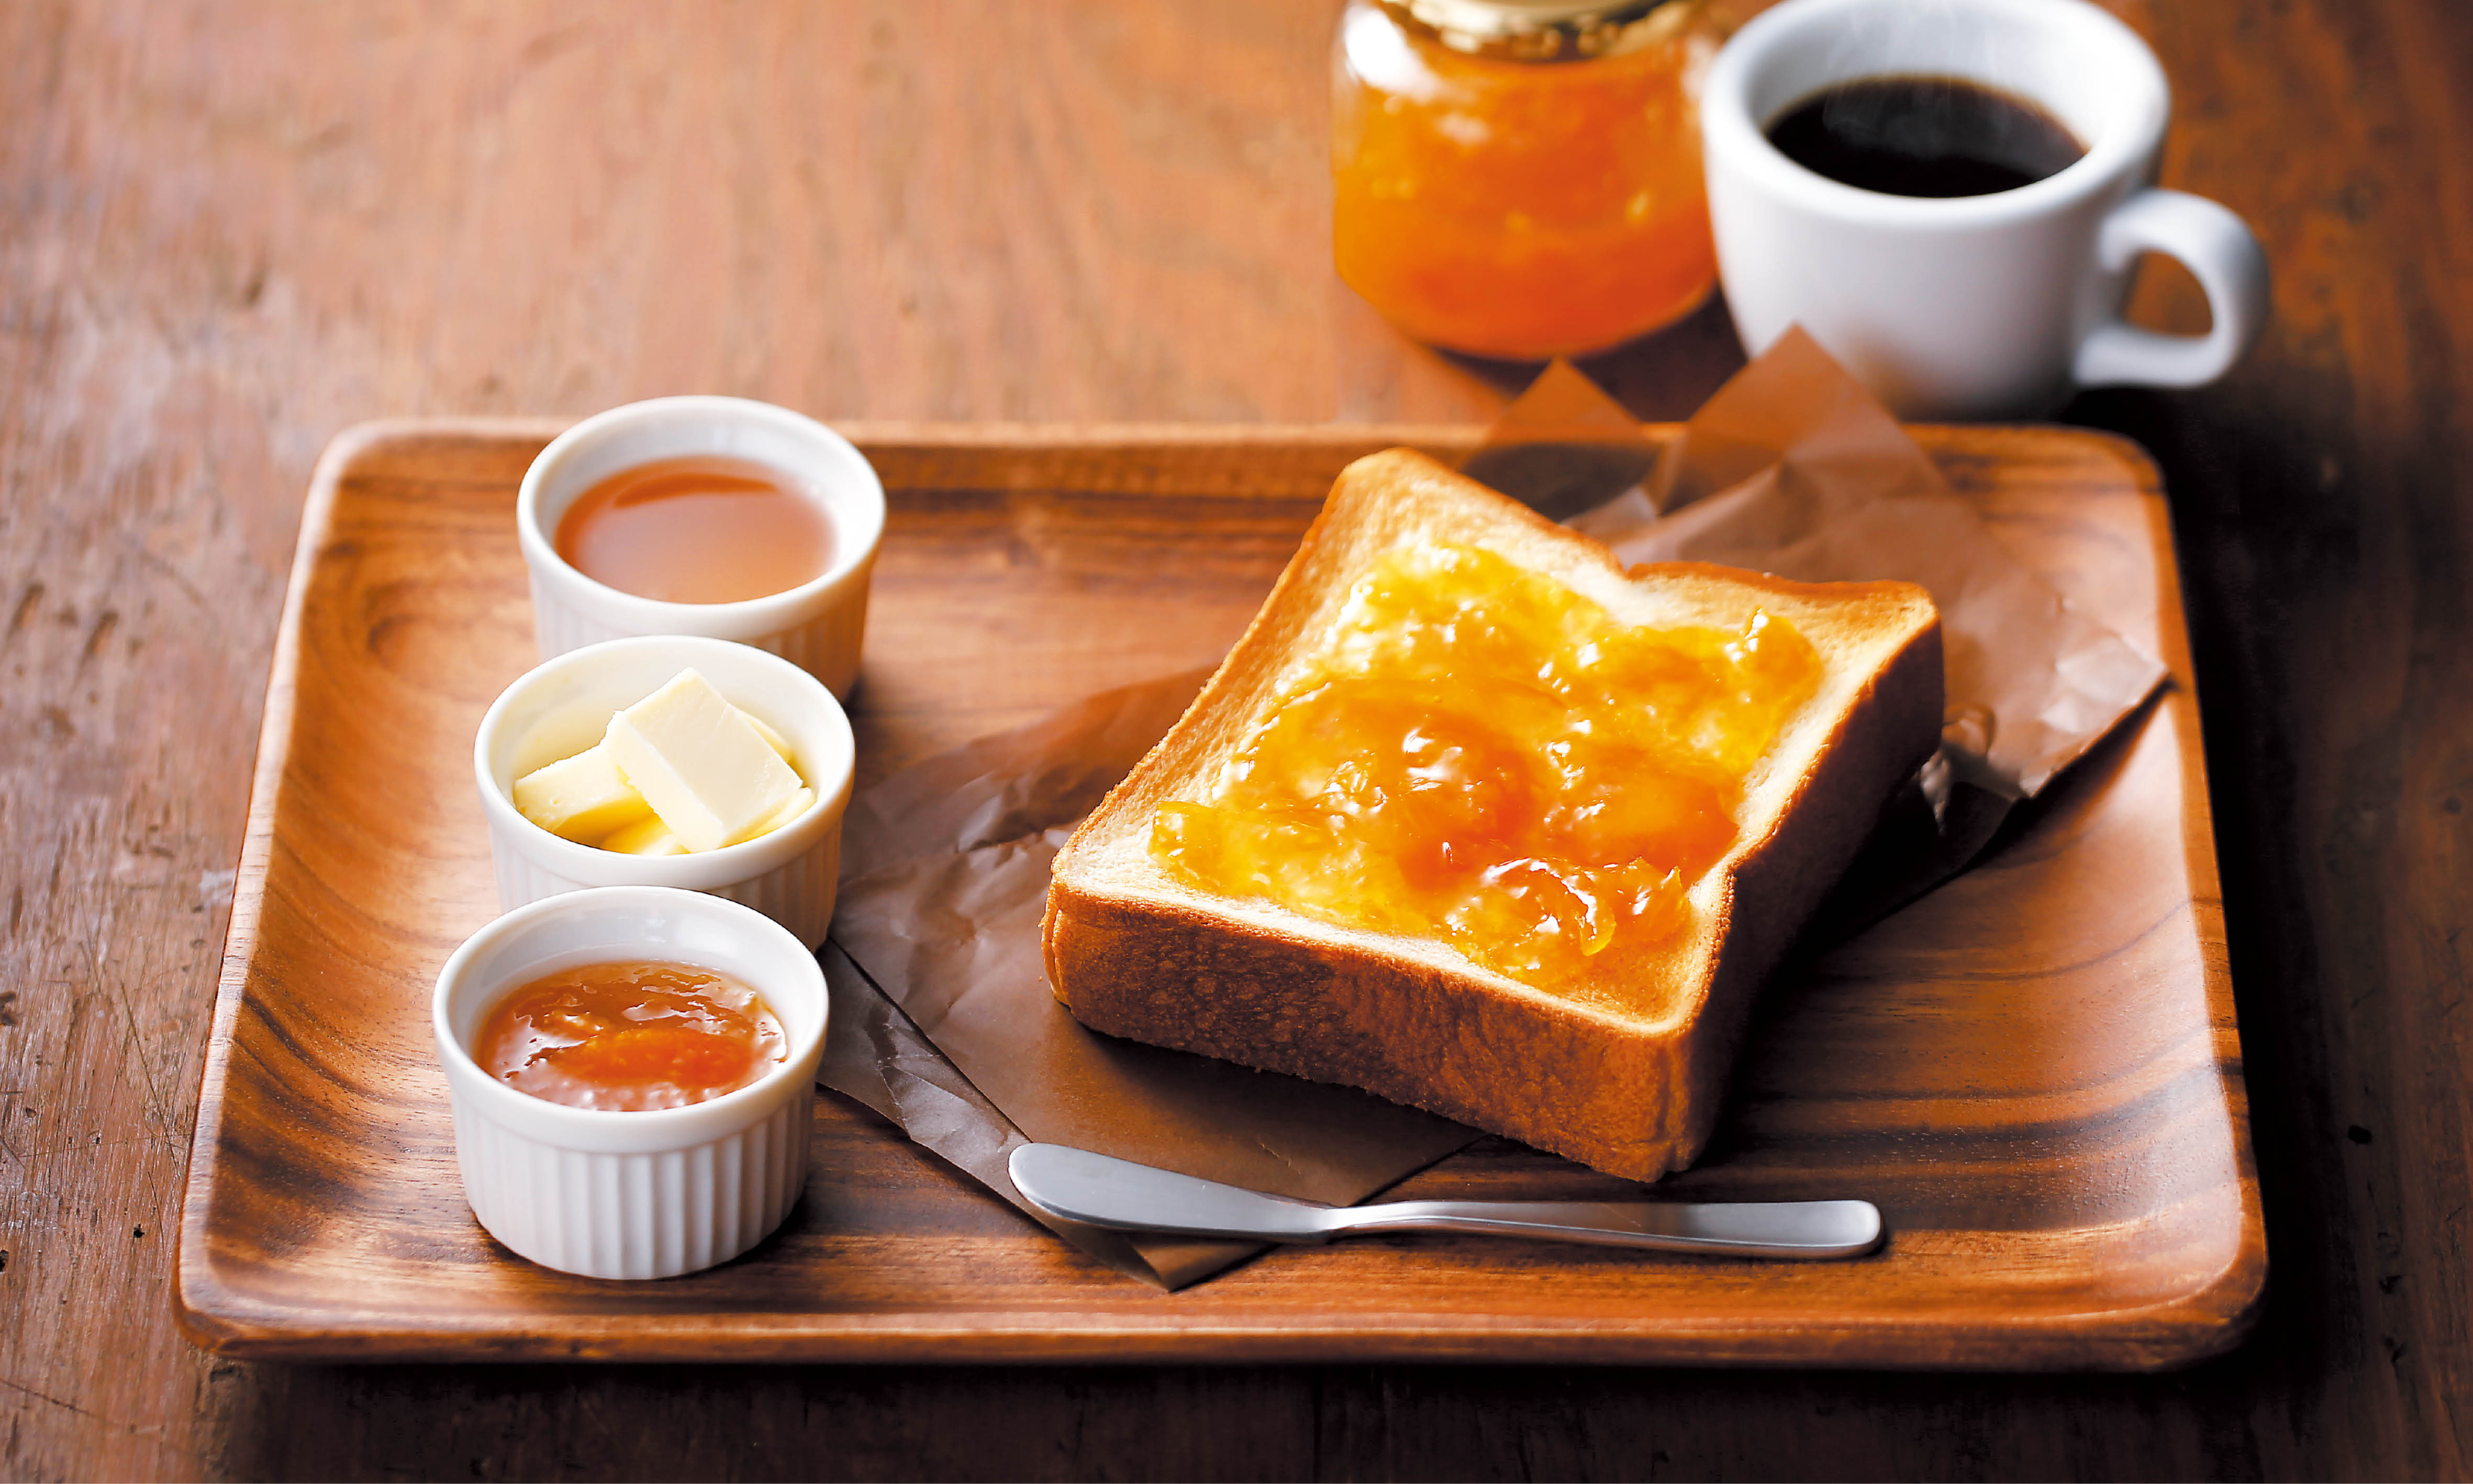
[1480,753]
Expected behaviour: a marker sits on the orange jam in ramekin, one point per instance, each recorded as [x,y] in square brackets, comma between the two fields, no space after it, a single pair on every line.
[631,1037]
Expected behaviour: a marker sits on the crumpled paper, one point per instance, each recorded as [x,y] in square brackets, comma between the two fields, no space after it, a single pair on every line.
[1793,468]
[942,1018]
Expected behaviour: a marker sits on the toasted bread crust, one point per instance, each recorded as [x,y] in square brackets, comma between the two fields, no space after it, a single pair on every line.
[1630,1082]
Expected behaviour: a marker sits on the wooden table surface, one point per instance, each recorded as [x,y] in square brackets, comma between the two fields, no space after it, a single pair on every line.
[229,230]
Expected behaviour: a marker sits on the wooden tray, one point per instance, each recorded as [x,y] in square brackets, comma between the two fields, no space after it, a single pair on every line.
[2036,1074]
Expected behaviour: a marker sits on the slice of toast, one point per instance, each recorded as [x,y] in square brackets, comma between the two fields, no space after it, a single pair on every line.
[1626,1078]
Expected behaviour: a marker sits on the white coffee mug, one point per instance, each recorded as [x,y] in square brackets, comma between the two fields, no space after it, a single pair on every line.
[1972,306]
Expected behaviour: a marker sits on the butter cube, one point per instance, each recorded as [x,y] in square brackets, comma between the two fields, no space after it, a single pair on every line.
[647,836]
[772,738]
[704,769]
[581,798]
[796,805]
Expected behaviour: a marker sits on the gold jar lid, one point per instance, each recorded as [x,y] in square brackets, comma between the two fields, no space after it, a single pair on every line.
[1543,29]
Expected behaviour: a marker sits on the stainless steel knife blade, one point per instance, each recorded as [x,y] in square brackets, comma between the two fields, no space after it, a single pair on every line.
[1099,1191]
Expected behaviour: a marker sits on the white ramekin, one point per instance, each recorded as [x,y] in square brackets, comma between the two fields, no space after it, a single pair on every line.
[648,1194]
[563,705]
[817,627]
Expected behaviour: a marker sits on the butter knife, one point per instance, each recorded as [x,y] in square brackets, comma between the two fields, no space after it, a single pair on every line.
[1097,1190]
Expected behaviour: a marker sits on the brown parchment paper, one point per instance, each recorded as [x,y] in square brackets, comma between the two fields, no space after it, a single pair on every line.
[1792,468]
[935,949]
[941,1017]
[873,1053]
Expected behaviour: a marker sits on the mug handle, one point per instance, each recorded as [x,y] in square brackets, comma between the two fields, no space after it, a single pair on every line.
[2219,252]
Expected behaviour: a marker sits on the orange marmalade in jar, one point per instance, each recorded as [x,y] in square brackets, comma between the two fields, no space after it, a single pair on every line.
[1521,178]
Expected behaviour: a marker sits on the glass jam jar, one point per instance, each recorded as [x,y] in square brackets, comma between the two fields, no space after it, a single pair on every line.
[1521,178]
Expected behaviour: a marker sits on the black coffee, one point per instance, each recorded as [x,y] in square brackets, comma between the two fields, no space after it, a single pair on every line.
[1924,137]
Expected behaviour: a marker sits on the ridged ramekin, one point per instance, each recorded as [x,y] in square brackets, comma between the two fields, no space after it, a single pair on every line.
[563,705]
[817,627]
[649,1194]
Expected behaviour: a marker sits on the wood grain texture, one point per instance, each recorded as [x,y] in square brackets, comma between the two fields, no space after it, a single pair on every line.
[2034,1072]
[232,229]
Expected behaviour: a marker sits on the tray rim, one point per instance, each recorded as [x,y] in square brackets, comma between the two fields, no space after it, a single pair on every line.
[2208,1320]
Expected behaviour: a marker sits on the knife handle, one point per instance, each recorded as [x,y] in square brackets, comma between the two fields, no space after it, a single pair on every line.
[1744,1229]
